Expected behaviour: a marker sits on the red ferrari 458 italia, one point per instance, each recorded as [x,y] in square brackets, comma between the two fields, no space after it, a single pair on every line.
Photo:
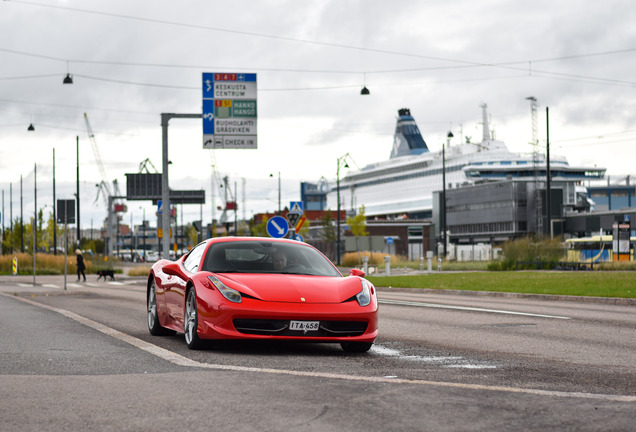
[261,288]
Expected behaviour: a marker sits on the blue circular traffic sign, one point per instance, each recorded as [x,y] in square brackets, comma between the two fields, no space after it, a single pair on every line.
[277,227]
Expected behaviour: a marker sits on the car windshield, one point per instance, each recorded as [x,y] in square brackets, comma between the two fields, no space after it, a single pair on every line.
[267,257]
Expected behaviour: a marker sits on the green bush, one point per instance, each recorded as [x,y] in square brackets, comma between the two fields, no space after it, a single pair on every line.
[527,251]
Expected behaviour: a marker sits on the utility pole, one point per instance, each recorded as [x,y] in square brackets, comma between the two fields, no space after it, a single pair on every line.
[54,210]
[35,216]
[538,216]
[548,174]
[2,216]
[21,218]
[79,226]
[11,214]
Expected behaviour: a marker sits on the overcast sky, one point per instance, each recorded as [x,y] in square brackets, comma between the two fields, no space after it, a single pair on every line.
[133,60]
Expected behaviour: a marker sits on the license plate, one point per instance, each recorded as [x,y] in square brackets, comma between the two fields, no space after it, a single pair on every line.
[305,326]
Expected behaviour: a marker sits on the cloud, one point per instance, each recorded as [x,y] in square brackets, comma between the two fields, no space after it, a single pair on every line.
[133,61]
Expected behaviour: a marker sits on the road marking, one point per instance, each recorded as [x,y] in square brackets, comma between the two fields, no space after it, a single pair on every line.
[50,286]
[457,362]
[180,360]
[467,308]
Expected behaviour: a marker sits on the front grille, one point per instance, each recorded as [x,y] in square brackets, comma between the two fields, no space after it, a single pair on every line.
[269,327]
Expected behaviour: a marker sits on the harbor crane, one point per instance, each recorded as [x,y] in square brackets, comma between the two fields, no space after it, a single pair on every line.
[143,166]
[109,194]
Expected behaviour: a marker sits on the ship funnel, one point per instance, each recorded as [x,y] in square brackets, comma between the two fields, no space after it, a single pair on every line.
[407,139]
[486,130]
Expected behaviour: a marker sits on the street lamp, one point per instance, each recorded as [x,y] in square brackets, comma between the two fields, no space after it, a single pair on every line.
[68,79]
[548,173]
[341,162]
[365,91]
[444,226]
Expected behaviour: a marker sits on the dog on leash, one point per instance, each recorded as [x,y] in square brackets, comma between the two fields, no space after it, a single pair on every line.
[106,273]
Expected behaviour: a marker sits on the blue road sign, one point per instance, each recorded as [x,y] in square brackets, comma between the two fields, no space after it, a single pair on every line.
[229,110]
[389,240]
[208,116]
[298,237]
[277,227]
[296,207]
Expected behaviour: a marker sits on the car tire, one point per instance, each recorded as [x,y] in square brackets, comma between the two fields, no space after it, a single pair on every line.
[356,347]
[154,327]
[191,321]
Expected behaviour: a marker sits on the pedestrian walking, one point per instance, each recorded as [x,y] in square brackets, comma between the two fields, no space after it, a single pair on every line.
[80,265]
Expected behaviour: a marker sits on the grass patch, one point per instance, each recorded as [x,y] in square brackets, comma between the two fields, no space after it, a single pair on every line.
[595,284]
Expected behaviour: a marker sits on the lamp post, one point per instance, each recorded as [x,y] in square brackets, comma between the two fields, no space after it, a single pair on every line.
[11,215]
[21,218]
[54,210]
[341,162]
[444,226]
[35,216]
[2,217]
[272,175]
[547,161]
[77,186]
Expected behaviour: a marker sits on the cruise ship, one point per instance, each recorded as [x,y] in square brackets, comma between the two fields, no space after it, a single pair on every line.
[403,186]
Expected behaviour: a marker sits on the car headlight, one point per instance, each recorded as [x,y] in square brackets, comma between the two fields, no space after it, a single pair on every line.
[227,292]
[364,296]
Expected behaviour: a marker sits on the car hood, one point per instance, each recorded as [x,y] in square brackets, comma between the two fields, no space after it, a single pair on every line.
[294,288]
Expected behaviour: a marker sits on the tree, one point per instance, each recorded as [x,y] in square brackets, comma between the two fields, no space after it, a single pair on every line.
[192,234]
[358,223]
[11,238]
[51,226]
[328,231]
[260,230]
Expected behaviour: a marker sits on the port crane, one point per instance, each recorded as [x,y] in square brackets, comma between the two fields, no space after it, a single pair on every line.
[103,187]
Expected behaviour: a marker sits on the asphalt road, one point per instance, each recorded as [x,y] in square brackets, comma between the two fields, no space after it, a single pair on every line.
[82,359]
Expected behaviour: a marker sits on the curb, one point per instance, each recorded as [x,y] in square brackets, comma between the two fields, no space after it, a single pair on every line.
[547,297]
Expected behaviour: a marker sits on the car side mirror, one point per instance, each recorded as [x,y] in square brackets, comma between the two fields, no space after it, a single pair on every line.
[356,272]
[174,269]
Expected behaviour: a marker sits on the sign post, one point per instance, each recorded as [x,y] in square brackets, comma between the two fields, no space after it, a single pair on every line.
[621,240]
[229,111]
[65,215]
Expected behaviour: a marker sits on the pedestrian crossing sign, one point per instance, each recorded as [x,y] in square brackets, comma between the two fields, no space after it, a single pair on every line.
[296,207]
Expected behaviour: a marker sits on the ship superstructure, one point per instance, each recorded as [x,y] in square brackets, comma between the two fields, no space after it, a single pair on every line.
[403,186]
